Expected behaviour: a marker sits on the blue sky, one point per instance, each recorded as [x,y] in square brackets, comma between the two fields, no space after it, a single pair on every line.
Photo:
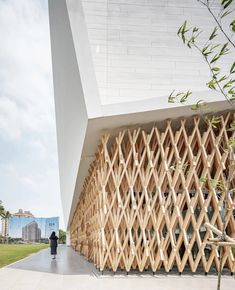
[29,177]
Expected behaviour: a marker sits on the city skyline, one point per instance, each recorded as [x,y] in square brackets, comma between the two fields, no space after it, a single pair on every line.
[46,225]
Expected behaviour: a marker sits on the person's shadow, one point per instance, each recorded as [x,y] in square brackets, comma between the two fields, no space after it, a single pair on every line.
[54,266]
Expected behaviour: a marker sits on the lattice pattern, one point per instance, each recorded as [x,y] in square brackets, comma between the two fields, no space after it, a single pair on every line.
[143,205]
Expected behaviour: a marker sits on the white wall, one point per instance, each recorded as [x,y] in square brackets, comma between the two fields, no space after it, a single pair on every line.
[70,106]
[136,51]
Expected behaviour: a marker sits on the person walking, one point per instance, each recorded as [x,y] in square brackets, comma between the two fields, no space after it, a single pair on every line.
[53,244]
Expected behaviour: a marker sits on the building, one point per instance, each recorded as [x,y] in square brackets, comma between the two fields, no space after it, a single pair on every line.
[31,233]
[22,213]
[46,225]
[122,145]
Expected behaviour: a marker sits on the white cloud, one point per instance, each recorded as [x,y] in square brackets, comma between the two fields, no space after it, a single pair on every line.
[28,181]
[28,168]
[9,119]
[25,70]
[38,146]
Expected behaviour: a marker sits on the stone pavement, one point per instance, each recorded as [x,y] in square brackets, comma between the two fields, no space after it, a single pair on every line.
[68,262]
[72,272]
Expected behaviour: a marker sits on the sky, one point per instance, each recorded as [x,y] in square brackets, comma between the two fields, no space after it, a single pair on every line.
[29,177]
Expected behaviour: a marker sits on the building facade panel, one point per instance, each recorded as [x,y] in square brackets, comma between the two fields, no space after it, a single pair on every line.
[31,233]
[135,48]
[151,201]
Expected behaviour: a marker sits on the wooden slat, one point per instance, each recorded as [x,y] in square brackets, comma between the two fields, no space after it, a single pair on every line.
[143,205]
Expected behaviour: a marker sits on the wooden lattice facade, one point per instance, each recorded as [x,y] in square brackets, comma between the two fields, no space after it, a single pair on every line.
[144,204]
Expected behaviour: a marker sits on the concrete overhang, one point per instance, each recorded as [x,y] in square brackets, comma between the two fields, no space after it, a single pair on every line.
[140,114]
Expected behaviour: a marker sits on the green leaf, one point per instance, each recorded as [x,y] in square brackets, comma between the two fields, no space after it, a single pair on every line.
[224,49]
[228,3]
[203,179]
[232,91]
[232,98]
[231,142]
[194,107]
[232,69]
[195,29]
[213,34]
[208,49]
[222,79]
[179,94]
[184,96]
[215,58]
[229,84]
[179,31]
[215,46]
[227,12]
[199,104]
[232,126]
[211,84]
[184,26]
[171,98]
[216,120]
[215,68]
[205,48]
[232,25]
[213,121]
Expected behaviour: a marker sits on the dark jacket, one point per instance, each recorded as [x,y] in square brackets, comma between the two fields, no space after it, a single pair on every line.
[53,244]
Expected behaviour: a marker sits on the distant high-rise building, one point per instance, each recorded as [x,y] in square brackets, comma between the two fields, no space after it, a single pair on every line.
[22,213]
[31,232]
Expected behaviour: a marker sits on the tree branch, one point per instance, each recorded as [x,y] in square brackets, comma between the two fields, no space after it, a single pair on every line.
[207,5]
[213,75]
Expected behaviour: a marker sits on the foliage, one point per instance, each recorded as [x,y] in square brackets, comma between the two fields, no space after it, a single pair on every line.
[1,208]
[62,237]
[5,215]
[213,53]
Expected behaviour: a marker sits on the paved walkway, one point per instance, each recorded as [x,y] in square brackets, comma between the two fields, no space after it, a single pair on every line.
[72,272]
[68,262]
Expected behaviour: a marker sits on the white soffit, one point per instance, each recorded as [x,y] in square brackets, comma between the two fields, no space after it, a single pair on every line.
[132,115]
